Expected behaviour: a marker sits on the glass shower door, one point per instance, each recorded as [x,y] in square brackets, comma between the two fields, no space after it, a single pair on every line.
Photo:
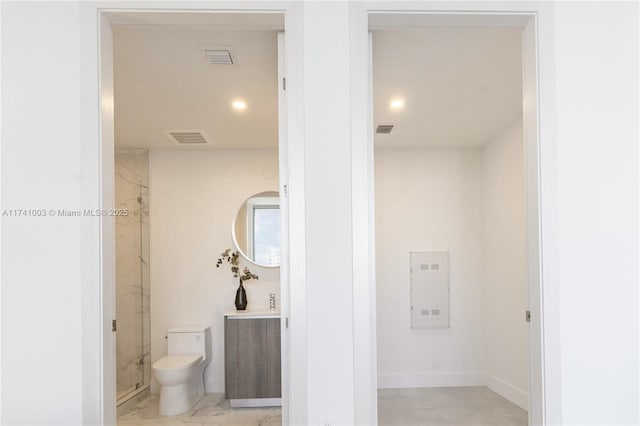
[133,372]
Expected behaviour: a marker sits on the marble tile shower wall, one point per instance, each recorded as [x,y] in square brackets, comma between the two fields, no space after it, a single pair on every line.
[133,345]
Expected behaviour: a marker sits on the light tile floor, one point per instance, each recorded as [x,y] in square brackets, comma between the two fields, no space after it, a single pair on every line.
[461,406]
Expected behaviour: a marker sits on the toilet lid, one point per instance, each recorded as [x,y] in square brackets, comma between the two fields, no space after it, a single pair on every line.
[176,362]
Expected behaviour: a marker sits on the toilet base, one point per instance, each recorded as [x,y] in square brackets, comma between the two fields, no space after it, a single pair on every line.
[180,398]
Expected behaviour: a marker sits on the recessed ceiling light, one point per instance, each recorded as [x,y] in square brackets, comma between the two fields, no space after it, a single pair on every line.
[397,103]
[239,105]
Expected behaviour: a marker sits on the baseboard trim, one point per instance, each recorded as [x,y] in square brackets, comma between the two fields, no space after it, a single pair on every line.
[432,380]
[508,391]
[459,378]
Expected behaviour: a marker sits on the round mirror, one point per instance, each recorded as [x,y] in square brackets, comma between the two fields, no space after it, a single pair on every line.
[256,229]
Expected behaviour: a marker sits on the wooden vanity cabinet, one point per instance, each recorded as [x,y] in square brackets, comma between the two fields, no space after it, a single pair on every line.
[252,358]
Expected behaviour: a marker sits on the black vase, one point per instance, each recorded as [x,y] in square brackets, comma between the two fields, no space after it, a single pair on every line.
[241,298]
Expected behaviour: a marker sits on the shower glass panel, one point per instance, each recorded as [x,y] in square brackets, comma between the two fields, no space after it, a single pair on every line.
[133,372]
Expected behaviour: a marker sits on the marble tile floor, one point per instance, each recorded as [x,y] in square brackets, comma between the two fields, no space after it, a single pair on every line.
[122,390]
[212,410]
[459,406]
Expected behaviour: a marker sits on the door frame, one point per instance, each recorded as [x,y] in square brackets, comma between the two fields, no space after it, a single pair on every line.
[536,21]
[98,377]
[99,401]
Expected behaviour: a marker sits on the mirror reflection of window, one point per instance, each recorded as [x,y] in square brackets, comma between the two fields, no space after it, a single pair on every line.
[263,230]
[266,235]
[256,229]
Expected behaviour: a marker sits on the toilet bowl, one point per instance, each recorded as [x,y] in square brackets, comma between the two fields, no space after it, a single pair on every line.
[180,374]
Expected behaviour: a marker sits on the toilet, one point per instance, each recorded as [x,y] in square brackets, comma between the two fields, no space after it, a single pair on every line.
[180,374]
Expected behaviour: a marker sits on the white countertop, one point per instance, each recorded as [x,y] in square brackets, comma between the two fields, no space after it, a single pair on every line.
[253,314]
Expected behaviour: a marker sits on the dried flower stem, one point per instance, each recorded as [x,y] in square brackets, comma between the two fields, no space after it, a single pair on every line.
[233,258]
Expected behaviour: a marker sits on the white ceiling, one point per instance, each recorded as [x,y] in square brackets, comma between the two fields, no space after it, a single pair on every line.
[460,85]
[161,82]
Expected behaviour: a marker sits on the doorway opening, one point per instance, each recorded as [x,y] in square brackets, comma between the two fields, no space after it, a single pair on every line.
[456,219]
[196,134]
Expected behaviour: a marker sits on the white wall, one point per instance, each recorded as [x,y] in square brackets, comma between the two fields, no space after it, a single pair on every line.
[42,262]
[194,197]
[429,200]
[328,222]
[597,140]
[506,289]
[45,77]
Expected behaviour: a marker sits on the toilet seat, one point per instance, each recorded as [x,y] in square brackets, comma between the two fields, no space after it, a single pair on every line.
[177,362]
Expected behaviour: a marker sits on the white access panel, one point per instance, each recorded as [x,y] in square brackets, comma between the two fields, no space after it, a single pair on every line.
[429,276]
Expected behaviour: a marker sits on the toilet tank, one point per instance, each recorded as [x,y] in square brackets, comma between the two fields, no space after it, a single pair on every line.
[189,340]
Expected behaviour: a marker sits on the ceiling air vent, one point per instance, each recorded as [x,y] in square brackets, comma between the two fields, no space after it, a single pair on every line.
[384,129]
[187,137]
[218,57]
